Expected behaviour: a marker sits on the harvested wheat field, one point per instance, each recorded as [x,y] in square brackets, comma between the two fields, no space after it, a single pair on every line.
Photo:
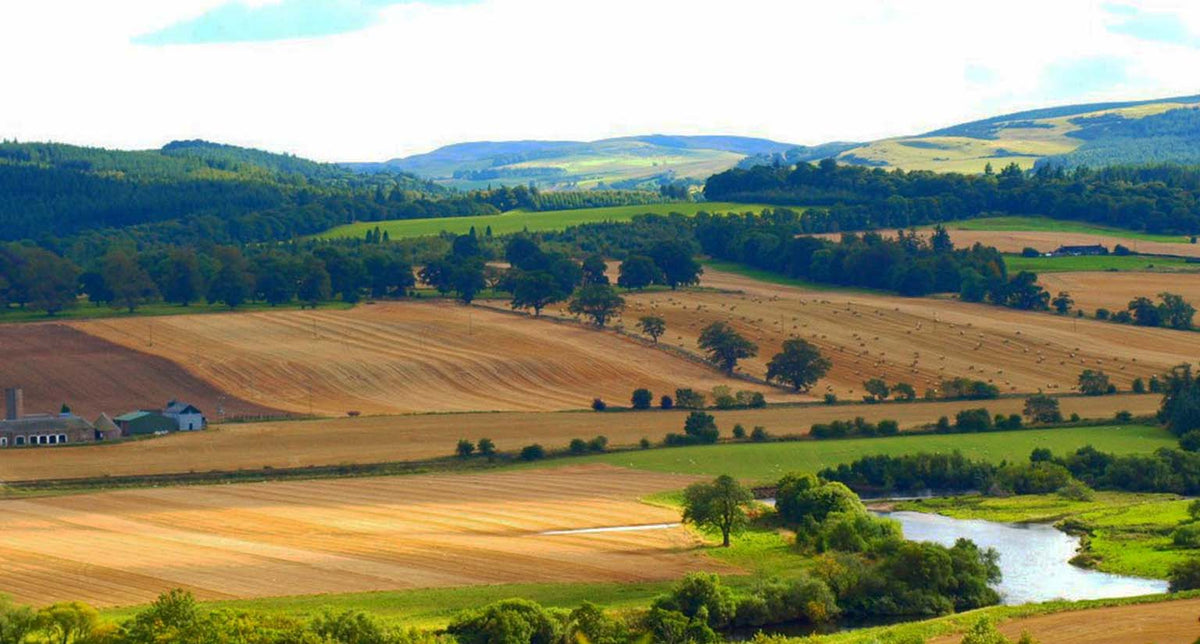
[917,340]
[403,357]
[375,439]
[1114,291]
[57,364]
[1169,622]
[336,536]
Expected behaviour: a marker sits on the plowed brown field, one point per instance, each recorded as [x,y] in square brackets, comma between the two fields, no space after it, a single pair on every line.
[270,539]
[1172,622]
[917,340]
[406,438]
[1114,291]
[54,364]
[408,357]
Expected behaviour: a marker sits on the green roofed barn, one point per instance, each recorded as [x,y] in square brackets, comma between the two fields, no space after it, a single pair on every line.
[141,423]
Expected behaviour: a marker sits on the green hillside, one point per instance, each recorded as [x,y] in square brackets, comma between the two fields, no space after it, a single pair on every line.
[643,162]
[1095,135]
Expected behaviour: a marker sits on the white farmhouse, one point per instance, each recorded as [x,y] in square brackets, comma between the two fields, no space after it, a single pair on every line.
[186,416]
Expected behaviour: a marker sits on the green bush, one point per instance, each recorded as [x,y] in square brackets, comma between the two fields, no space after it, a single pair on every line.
[641,399]
[577,446]
[533,452]
[1187,536]
[973,420]
[759,434]
[1033,478]
[1185,575]
[509,621]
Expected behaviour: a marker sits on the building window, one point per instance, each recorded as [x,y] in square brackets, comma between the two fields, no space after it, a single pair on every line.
[20,440]
[3,441]
[52,439]
[62,438]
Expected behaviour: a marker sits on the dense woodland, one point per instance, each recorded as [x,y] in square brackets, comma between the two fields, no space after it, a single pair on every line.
[1157,199]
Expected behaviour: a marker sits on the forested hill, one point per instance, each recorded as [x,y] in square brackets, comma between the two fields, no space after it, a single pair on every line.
[198,190]
[1156,198]
[1096,135]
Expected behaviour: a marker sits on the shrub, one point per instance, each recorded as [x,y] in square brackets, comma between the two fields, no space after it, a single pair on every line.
[598,444]
[1139,386]
[533,452]
[1076,491]
[689,399]
[641,399]
[701,427]
[904,392]
[1154,385]
[1074,418]
[888,428]
[973,420]
[666,403]
[805,500]
[830,399]
[751,399]
[486,447]
[1034,478]
[1191,441]
[1185,575]
[511,620]
[578,446]
[759,434]
[1103,314]
[1029,251]
[1040,408]
[1123,416]
[599,405]
[943,425]
[1187,536]
[464,448]
[645,443]
[723,398]
[739,432]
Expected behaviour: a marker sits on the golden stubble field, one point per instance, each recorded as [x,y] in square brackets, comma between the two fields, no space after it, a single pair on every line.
[1114,291]
[403,357]
[350,535]
[375,439]
[917,340]
[1172,622]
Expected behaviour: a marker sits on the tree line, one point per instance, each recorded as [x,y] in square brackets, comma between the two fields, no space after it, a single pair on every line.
[1152,198]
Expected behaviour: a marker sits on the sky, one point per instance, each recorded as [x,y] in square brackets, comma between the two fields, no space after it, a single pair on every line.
[370,80]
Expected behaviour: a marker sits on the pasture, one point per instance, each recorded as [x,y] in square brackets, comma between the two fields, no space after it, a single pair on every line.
[516,221]
[343,536]
[766,462]
[1048,225]
[405,357]
[376,439]
[1098,263]
[1165,622]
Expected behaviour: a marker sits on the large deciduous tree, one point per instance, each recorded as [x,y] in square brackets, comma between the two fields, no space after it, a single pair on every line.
[597,302]
[720,505]
[800,365]
[725,346]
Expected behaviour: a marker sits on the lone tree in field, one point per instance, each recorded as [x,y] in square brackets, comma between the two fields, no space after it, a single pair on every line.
[464,448]
[599,302]
[719,505]
[1062,303]
[800,364]
[641,398]
[725,346]
[1040,408]
[1094,383]
[653,326]
[878,389]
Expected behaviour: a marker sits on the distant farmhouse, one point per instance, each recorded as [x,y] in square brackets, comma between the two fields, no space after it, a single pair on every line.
[1079,251]
[19,429]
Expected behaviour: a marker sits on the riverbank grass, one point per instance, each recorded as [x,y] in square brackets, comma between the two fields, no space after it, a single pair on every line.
[1124,533]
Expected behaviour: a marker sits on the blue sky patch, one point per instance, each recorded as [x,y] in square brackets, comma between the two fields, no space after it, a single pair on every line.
[236,21]
[1083,76]
[1150,25]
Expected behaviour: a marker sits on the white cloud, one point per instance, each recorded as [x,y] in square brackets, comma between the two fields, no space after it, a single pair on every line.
[424,76]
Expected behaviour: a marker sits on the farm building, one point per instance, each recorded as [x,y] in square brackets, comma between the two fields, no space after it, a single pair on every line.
[187,418]
[145,422]
[1080,251]
[19,429]
[106,429]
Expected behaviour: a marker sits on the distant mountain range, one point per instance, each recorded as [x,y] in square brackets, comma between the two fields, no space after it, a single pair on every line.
[620,163]
[1095,135]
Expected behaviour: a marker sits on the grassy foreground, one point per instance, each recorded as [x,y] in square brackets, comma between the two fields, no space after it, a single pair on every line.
[514,221]
[1130,534]
[765,462]
[1046,224]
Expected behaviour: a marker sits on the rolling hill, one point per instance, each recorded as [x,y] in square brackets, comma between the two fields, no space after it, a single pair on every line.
[1095,135]
[629,162]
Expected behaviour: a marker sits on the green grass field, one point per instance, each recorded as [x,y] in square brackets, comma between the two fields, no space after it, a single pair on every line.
[515,221]
[766,462]
[85,311]
[1045,224]
[1017,263]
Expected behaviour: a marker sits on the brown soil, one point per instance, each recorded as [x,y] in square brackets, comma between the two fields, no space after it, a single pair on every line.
[1172,622]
